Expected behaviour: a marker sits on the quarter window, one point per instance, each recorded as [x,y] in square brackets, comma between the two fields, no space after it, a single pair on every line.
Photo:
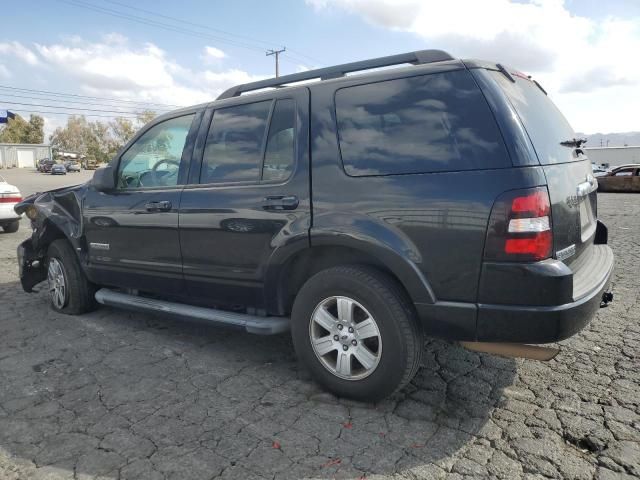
[279,153]
[233,152]
[428,123]
[154,159]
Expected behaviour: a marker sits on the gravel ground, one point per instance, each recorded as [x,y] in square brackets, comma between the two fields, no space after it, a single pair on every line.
[114,394]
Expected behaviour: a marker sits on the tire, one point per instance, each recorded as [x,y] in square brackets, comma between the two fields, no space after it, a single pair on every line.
[78,293]
[11,227]
[397,349]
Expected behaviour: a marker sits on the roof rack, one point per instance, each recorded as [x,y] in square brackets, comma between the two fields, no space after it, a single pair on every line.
[337,71]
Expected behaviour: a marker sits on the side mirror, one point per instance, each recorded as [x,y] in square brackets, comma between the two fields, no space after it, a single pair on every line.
[103,179]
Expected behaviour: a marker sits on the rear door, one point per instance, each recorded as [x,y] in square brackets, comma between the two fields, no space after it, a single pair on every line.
[249,195]
[572,187]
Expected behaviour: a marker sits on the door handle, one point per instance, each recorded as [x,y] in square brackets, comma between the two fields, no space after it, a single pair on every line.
[163,206]
[280,202]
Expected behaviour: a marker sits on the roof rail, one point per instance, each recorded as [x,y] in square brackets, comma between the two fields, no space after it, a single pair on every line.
[337,71]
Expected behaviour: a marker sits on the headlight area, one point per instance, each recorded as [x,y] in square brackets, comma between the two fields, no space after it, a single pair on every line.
[32,213]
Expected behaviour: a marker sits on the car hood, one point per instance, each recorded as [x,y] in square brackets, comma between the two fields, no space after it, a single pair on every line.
[68,198]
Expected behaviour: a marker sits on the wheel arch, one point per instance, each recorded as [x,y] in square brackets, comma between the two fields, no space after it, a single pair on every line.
[284,280]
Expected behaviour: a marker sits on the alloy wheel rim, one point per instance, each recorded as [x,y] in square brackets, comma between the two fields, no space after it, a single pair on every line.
[345,338]
[57,283]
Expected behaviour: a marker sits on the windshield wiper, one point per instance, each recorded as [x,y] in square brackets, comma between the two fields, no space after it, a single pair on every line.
[574,142]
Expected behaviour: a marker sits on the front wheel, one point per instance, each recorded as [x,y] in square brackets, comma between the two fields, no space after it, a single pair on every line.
[69,290]
[356,331]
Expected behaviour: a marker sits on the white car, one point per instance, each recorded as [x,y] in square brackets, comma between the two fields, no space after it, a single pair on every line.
[9,196]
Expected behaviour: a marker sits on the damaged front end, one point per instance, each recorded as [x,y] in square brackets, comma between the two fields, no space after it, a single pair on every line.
[53,215]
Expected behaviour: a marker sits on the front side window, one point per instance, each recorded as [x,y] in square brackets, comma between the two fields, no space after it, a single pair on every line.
[233,152]
[429,123]
[154,159]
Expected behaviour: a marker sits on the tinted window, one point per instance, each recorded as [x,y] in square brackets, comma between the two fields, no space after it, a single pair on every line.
[234,146]
[430,123]
[278,156]
[542,120]
[154,159]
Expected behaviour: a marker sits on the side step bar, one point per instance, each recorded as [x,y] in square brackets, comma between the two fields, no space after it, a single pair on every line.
[251,323]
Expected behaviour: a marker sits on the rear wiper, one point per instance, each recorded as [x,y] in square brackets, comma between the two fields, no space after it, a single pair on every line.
[575,142]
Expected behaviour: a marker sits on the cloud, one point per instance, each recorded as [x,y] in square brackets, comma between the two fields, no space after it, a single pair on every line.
[594,78]
[538,36]
[115,67]
[213,53]
[4,72]
[19,51]
[586,64]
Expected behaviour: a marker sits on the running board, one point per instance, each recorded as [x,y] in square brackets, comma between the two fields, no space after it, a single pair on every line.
[251,323]
[513,350]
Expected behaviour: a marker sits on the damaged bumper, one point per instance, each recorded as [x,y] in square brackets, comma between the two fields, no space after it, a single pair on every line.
[31,266]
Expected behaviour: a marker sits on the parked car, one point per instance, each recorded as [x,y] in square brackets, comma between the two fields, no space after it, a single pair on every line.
[58,169]
[599,170]
[625,178]
[72,166]
[362,212]
[45,165]
[9,197]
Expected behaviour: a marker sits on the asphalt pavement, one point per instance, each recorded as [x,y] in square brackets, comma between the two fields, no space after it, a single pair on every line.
[121,395]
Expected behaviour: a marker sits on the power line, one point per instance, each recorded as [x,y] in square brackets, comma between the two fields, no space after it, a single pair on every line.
[167,26]
[207,27]
[71,114]
[66,101]
[48,92]
[72,108]
[156,23]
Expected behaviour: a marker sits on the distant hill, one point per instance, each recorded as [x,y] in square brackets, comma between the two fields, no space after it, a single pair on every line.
[615,139]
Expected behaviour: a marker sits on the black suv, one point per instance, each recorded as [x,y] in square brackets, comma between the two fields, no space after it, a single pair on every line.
[446,197]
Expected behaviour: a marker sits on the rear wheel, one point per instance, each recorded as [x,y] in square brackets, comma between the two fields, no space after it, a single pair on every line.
[69,290]
[356,331]
[11,227]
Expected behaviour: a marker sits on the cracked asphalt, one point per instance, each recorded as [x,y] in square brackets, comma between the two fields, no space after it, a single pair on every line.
[114,394]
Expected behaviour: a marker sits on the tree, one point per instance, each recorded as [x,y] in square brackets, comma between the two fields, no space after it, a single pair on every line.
[35,132]
[73,137]
[145,117]
[18,130]
[122,130]
[98,140]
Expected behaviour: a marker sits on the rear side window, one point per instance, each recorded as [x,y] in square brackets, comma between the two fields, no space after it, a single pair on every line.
[544,123]
[430,123]
[233,152]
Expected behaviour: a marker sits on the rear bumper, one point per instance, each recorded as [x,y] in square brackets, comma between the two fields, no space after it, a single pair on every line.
[7,214]
[528,323]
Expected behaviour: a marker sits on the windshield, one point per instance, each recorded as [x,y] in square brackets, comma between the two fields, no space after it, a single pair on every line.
[542,120]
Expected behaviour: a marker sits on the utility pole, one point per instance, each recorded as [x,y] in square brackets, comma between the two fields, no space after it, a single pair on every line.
[276,53]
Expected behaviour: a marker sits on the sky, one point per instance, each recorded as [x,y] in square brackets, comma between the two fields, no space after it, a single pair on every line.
[113,57]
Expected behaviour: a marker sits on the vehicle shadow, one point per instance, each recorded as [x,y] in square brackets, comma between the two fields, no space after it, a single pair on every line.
[127,395]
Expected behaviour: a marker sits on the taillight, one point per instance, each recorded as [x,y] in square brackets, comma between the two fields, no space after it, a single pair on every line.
[520,227]
[10,198]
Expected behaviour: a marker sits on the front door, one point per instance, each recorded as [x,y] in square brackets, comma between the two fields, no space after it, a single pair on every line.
[132,231]
[250,196]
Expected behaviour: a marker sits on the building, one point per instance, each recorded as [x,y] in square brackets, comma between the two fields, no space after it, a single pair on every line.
[22,155]
[613,156]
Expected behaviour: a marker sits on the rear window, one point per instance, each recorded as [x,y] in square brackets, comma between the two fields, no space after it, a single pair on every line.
[544,123]
[429,123]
